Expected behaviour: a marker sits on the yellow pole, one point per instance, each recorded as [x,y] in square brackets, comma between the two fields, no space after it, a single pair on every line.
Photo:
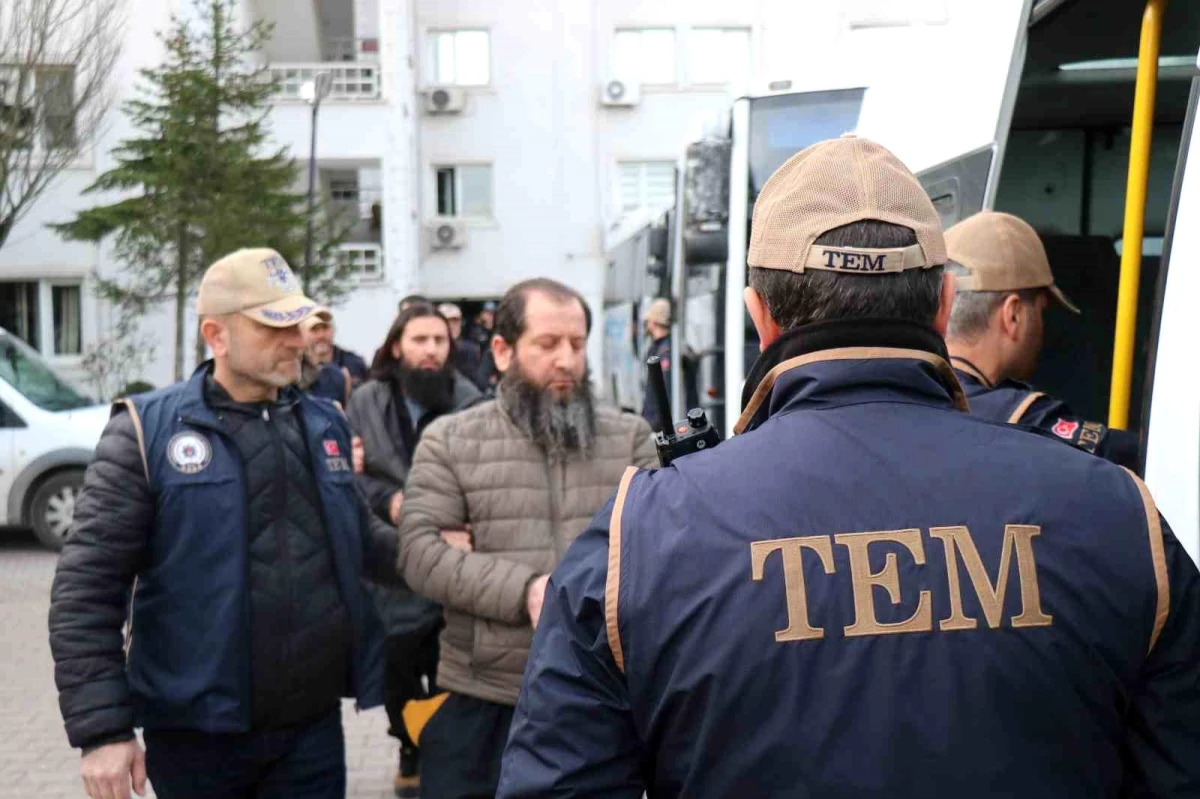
[1135,213]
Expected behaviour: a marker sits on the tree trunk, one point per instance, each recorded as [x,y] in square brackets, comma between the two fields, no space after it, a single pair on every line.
[181,297]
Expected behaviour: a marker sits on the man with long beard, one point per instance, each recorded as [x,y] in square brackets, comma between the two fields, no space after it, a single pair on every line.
[526,471]
[413,381]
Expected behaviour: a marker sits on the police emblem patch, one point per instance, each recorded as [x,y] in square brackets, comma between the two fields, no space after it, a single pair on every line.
[1065,428]
[189,453]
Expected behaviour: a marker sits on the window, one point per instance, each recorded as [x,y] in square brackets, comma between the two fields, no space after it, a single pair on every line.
[460,58]
[365,260]
[68,332]
[43,93]
[45,315]
[19,311]
[56,93]
[719,56]
[645,55]
[464,191]
[646,184]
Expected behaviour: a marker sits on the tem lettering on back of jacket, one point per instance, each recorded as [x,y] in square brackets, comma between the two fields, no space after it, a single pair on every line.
[959,548]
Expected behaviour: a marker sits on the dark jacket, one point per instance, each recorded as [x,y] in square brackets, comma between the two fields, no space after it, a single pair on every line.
[468,359]
[328,381]
[352,362]
[869,593]
[1014,402]
[169,500]
[379,416]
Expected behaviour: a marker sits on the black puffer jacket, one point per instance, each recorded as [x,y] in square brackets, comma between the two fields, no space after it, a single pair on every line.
[302,637]
[390,437]
[299,627]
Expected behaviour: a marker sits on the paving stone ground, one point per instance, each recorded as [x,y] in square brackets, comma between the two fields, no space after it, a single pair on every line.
[35,760]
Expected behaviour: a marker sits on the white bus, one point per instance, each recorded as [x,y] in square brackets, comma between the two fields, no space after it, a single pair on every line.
[1012,105]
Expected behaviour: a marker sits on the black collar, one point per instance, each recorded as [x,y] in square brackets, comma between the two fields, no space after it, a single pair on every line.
[970,369]
[860,338]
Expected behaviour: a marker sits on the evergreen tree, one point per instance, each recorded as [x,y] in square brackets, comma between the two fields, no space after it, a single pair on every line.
[200,179]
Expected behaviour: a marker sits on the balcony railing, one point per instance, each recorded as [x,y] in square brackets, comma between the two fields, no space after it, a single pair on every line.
[349,81]
[366,260]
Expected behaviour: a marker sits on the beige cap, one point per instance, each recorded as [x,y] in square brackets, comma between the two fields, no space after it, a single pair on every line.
[834,183]
[450,310]
[659,311]
[1002,253]
[258,284]
[321,316]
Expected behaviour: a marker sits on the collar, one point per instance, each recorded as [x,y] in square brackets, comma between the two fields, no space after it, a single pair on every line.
[845,340]
[968,368]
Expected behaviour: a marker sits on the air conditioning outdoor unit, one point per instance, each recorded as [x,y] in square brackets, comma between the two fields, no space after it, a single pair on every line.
[444,100]
[618,93]
[447,234]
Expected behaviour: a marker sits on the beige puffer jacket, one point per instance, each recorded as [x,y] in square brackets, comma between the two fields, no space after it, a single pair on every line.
[478,468]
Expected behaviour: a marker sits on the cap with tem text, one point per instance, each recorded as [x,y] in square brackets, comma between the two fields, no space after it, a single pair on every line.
[1002,253]
[258,284]
[835,183]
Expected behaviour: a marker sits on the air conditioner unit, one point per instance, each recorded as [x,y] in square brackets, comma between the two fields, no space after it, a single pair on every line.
[444,100]
[619,93]
[447,234]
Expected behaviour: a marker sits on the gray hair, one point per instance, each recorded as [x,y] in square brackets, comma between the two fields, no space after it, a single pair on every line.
[973,310]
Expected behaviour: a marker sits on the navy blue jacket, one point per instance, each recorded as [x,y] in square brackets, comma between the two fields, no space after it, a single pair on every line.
[869,593]
[1014,402]
[189,659]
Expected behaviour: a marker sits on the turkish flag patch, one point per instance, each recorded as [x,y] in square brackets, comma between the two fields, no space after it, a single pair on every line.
[1064,428]
[331,448]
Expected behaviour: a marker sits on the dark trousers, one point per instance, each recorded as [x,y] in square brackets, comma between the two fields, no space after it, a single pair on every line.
[306,762]
[461,748]
[408,659]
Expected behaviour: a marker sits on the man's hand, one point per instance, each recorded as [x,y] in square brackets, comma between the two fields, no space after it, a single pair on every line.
[107,771]
[534,595]
[459,539]
[394,508]
[358,455]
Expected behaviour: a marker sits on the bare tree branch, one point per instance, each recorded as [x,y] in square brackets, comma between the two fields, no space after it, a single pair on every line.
[57,59]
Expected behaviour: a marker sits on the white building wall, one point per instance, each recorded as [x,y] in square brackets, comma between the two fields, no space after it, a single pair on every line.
[553,147]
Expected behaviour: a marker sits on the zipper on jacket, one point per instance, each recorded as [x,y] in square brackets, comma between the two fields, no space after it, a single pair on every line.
[282,552]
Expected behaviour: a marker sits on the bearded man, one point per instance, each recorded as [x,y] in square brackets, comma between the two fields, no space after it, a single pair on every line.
[413,381]
[526,471]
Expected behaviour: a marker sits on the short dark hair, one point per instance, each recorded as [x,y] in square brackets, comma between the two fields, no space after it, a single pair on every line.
[383,365]
[510,316]
[414,299]
[801,298]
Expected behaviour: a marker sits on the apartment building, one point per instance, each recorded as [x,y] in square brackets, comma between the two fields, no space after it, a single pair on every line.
[477,142]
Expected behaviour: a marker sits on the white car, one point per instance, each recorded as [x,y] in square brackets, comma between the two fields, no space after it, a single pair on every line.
[48,431]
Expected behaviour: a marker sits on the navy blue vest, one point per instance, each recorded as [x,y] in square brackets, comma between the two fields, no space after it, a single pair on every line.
[189,659]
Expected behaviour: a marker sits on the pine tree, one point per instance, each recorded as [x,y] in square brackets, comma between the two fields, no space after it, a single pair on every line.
[201,179]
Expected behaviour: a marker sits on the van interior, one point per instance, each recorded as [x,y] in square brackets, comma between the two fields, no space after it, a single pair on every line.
[1065,170]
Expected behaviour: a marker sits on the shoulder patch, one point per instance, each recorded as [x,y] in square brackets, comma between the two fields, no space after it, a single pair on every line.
[189,452]
[1065,429]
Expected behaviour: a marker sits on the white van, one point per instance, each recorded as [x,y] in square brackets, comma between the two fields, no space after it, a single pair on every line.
[48,431]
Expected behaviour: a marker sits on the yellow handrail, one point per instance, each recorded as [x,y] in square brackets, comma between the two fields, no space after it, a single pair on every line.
[1135,213]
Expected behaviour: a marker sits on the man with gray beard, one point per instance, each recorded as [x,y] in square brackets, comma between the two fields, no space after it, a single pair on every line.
[524,473]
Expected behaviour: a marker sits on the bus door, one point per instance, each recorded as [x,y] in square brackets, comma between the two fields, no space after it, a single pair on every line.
[1173,402]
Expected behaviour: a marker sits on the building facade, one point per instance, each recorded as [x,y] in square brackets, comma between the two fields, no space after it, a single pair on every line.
[476,142]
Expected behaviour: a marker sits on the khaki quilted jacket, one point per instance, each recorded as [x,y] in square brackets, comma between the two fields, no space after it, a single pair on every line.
[478,468]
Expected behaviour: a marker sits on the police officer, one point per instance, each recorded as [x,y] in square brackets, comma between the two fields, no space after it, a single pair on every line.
[658,328]
[995,335]
[869,592]
[227,503]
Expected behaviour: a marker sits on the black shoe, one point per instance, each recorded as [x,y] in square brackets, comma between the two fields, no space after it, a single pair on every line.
[408,778]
